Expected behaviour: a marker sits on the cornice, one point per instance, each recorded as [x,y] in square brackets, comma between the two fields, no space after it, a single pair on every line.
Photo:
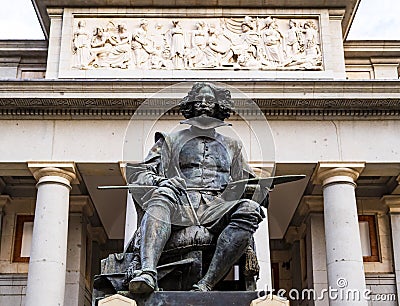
[102,99]
[122,103]
[254,88]
[23,48]
[81,108]
[372,48]
[349,6]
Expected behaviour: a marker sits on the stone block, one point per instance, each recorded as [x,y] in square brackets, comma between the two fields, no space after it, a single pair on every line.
[179,298]
[117,300]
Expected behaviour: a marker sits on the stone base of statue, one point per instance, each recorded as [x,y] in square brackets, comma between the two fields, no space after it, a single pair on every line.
[185,258]
[179,298]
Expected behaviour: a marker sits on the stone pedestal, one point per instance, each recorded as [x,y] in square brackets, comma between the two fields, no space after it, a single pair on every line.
[117,300]
[47,266]
[179,298]
[343,245]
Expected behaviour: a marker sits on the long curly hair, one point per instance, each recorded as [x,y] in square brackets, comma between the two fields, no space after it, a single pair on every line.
[224,103]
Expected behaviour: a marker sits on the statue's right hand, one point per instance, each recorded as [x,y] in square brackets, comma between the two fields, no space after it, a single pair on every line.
[129,273]
[176,184]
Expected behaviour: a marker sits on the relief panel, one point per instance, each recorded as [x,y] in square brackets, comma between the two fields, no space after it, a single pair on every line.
[240,43]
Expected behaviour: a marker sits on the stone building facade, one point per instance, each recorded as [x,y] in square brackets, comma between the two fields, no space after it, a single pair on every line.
[332,106]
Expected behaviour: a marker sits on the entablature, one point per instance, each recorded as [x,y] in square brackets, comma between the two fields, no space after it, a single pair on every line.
[106,99]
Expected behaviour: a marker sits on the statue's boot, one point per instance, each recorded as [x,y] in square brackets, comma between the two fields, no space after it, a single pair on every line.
[155,232]
[231,245]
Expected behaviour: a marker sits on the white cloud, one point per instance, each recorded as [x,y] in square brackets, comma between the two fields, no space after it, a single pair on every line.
[18,21]
[376,20]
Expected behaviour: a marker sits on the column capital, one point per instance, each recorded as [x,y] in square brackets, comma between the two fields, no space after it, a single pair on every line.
[308,204]
[337,172]
[97,233]
[392,202]
[396,190]
[311,204]
[295,233]
[2,185]
[81,204]
[65,170]
[4,200]
[336,14]
[55,12]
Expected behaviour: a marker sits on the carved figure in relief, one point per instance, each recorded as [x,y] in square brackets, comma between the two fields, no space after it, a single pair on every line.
[311,45]
[161,56]
[310,57]
[81,46]
[293,39]
[247,51]
[177,45]
[197,57]
[142,45]
[272,48]
[158,38]
[120,53]
[100,48]
[219,51]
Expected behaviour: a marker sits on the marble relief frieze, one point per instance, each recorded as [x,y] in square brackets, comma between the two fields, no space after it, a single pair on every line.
[248,43]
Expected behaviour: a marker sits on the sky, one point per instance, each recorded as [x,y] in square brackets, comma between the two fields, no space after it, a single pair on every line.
[375,20]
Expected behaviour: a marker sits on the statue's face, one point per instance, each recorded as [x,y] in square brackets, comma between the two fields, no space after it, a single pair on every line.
[205,102]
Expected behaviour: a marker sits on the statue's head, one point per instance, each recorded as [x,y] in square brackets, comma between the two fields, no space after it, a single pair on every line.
[207,99]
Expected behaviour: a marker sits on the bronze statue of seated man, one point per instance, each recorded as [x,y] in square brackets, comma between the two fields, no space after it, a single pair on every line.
[193,170]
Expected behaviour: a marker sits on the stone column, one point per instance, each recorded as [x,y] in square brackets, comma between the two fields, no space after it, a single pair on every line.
[4,200]
[343,245]
[54,51]
[47,266]
[294,236]
[99,237]
[393,204]
[310,215]
[333,49]
[80,209]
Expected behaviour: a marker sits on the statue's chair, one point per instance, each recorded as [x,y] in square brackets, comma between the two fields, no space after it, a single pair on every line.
[183,262]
